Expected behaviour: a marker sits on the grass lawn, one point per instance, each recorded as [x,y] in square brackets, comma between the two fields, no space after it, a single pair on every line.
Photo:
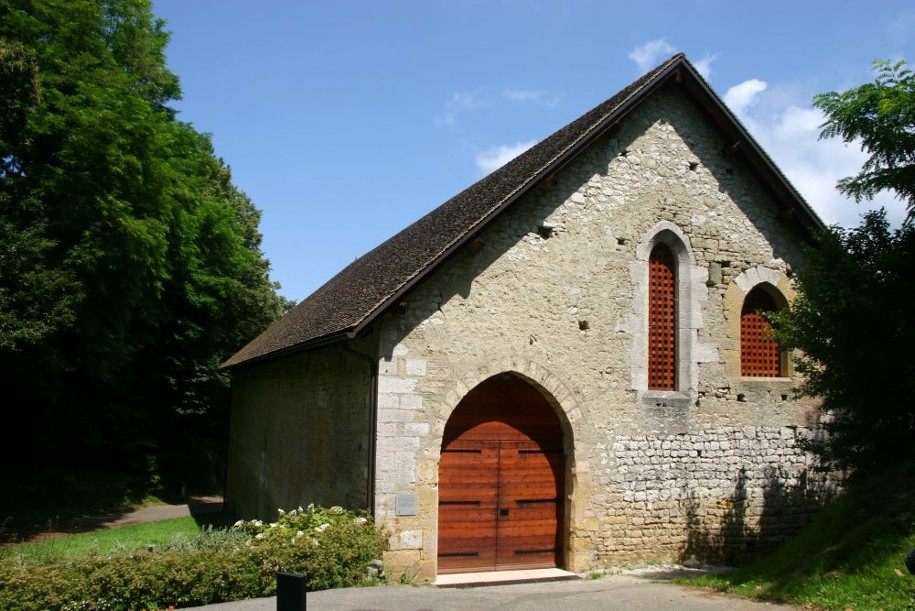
[121,538]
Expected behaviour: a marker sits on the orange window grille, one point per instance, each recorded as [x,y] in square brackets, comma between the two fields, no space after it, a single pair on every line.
[662,317]
[760,355]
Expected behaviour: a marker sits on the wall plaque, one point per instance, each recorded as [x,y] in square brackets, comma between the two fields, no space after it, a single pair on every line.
[405,505]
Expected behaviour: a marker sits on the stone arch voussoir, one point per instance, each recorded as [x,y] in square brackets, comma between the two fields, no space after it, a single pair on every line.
[555,391]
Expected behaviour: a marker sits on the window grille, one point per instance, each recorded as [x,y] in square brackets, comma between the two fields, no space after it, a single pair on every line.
[662,316]
[760,355]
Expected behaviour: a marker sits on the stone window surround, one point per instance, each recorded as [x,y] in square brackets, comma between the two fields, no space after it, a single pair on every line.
[760,356]
[779,287]
[690,287]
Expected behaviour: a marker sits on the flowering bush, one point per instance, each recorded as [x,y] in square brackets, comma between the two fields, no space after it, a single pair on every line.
[330,547]
[308,522]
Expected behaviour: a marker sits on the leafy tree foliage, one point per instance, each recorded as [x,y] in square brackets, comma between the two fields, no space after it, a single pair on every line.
[853,323]
[34,301]
[130,266]
[881,115]
[853,320]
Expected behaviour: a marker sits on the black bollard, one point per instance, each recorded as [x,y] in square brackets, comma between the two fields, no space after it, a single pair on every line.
[910,562]
[290,591]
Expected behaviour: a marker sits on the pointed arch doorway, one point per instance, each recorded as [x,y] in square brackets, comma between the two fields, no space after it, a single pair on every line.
[501,481]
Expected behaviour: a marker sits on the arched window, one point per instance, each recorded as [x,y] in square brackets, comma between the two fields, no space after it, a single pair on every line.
[760,355]
[662,319]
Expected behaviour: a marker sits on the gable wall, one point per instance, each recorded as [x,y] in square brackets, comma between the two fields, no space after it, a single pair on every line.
[653,476]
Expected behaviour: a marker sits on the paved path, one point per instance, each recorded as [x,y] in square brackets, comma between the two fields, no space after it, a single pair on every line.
[638,590]
[196,506]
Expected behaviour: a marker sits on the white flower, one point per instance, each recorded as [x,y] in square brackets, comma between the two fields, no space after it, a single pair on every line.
[259,536]
[322,527]
[360,520]
[335,509]
[280,511]
[239,523]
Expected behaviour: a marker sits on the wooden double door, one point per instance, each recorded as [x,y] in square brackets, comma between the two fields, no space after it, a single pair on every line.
[501,481]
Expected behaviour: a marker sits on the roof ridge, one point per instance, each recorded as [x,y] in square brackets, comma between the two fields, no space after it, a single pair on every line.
[350,301]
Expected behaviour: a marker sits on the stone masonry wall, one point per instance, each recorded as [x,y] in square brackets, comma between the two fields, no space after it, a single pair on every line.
[554,290]
[299,433]
[661,486]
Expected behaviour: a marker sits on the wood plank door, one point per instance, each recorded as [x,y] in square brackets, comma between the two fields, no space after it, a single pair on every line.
[501,483]
[529,506]
[468,500]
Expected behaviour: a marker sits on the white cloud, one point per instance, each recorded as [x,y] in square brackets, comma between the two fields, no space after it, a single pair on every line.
[461,102]
[789,132]
[494,158]
[740,98]
[540,96]
[704,66]
[651,53]
[464,102]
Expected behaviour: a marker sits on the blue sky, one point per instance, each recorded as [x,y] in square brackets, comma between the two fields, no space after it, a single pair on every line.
[345,121]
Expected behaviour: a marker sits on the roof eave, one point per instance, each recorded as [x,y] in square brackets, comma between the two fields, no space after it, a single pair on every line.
[311,344]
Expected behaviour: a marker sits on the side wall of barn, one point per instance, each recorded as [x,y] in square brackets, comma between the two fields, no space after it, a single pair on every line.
[300,432]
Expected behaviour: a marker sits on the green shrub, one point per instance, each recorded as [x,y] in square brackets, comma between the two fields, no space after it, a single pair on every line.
[330,547]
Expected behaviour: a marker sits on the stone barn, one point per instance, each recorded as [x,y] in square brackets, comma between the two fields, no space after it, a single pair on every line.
[564,365]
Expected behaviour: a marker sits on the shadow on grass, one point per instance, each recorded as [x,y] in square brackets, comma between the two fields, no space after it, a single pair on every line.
[851,555]
[56,503]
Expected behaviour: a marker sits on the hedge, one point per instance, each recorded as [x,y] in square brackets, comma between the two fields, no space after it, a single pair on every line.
[331,547]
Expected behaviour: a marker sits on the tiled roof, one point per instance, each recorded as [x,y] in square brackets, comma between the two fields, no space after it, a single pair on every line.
[352,299]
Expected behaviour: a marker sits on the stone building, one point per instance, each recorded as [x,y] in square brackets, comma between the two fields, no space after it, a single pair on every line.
[563,365]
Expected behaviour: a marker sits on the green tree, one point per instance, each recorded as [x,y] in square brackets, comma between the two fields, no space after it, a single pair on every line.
[881,116]
[130,266]
[854,326]
[853,320]
[35,301]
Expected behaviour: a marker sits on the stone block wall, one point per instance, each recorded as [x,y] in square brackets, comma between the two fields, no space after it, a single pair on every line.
[716,495]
